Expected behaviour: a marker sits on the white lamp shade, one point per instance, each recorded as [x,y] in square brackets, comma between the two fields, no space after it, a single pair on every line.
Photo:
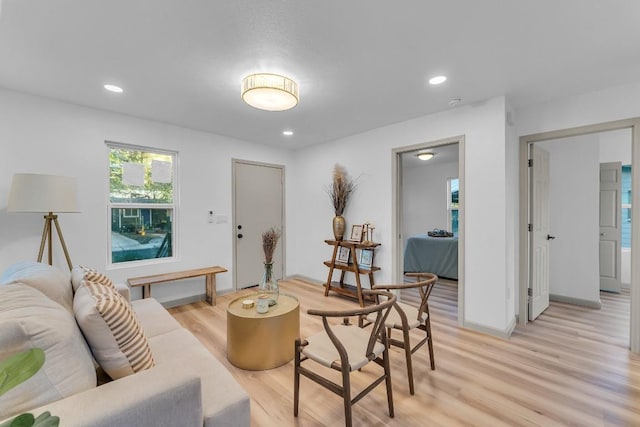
[32,192]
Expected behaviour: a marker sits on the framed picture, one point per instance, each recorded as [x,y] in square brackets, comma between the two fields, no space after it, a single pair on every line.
[343,254]
[356,233]
[366,258]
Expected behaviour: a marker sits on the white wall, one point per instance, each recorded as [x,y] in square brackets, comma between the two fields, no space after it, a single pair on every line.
[615,146]
[425,197]
[44,136]
[40,135]
[512,212]
[574,198]
[611,104]
[369,156]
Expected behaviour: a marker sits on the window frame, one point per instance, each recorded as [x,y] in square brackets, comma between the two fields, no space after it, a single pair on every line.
[174,206]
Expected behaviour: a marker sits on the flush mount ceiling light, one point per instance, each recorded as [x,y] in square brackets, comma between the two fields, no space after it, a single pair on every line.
[426,155]
[113,88]
[437,80]
[270,92]
[287,132]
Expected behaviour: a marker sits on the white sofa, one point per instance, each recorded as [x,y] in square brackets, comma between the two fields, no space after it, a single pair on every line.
[186,387]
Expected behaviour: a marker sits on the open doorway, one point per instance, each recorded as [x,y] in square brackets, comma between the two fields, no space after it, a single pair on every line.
[429,217]
[574,265]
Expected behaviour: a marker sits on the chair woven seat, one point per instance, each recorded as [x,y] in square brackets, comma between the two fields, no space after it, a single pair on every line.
[322,350]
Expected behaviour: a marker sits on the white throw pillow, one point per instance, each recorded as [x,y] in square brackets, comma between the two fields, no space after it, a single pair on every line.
[112,330]
[47,279]
[28,319]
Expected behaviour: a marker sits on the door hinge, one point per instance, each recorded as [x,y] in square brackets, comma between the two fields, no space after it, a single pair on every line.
[530,227]
[529,294]
[530,163]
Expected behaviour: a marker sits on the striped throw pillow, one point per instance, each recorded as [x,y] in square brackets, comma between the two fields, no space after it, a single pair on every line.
[99,278]
[112,330]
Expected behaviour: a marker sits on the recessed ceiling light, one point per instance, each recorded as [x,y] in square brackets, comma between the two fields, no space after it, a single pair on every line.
[113,88]
[437,80]
[427,155]
[287,132]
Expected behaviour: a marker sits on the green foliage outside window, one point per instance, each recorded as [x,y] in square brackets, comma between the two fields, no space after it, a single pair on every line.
[151,192]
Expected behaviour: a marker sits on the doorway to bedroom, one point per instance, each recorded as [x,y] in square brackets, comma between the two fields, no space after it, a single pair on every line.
[429,221]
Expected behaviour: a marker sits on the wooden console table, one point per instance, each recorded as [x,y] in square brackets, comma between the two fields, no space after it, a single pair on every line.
[209,273]
[350,266]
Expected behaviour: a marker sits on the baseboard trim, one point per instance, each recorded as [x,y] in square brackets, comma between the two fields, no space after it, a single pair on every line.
[305,279]
[183,301]
[511,326]
[576,301]
[504,334]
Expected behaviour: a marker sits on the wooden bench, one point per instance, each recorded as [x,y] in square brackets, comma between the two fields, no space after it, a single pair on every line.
[209,273]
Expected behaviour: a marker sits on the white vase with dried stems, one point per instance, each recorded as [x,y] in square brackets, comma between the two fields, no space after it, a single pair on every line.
[268,288]
[340,192]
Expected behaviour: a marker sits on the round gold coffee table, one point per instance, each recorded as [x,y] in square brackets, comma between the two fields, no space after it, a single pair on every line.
[262,341]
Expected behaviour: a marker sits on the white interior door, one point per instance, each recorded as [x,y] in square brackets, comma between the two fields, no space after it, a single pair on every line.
[259,205]
[540,233]
[610,227]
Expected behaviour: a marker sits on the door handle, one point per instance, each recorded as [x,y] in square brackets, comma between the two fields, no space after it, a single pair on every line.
[240,236]
[550,237]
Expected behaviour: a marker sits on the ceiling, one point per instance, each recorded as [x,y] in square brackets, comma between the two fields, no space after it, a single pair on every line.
[442,154]
[360,64]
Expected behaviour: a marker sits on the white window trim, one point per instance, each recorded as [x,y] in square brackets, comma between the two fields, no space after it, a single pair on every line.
[175,206]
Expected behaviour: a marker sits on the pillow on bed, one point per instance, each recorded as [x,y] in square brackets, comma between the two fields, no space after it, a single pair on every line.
[439,233]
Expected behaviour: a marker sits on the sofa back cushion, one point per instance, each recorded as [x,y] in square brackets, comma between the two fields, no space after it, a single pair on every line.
[112,330]
[28,319]
[47,279]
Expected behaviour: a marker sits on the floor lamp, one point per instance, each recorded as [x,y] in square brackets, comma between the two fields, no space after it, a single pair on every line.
[45,193]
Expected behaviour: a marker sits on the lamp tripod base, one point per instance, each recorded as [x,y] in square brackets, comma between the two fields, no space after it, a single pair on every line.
[49,221]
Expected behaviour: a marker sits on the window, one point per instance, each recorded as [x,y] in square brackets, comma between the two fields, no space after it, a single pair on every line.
[452,204]
[626,206]
[141,203]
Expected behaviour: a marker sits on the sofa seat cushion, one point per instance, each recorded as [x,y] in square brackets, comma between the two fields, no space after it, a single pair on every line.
[47,279]
[28,319]
[225,403]
[112,330]
[153,317]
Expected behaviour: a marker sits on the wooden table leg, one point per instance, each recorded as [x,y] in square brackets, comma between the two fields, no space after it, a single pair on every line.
[211,289]
[146,291]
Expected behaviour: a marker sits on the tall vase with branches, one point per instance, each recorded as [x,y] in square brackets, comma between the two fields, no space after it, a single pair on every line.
[340,191]
[268,287]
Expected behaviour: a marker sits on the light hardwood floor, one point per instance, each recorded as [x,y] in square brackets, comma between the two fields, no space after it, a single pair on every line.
[569,367]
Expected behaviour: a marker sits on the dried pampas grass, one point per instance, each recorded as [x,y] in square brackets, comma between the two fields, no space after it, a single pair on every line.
[340,189]
[269,242]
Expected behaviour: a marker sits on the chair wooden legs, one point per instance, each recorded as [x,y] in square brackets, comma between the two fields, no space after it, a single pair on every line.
[430,342]
[408,351]
[387,372]
[407,355]
[346,396]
